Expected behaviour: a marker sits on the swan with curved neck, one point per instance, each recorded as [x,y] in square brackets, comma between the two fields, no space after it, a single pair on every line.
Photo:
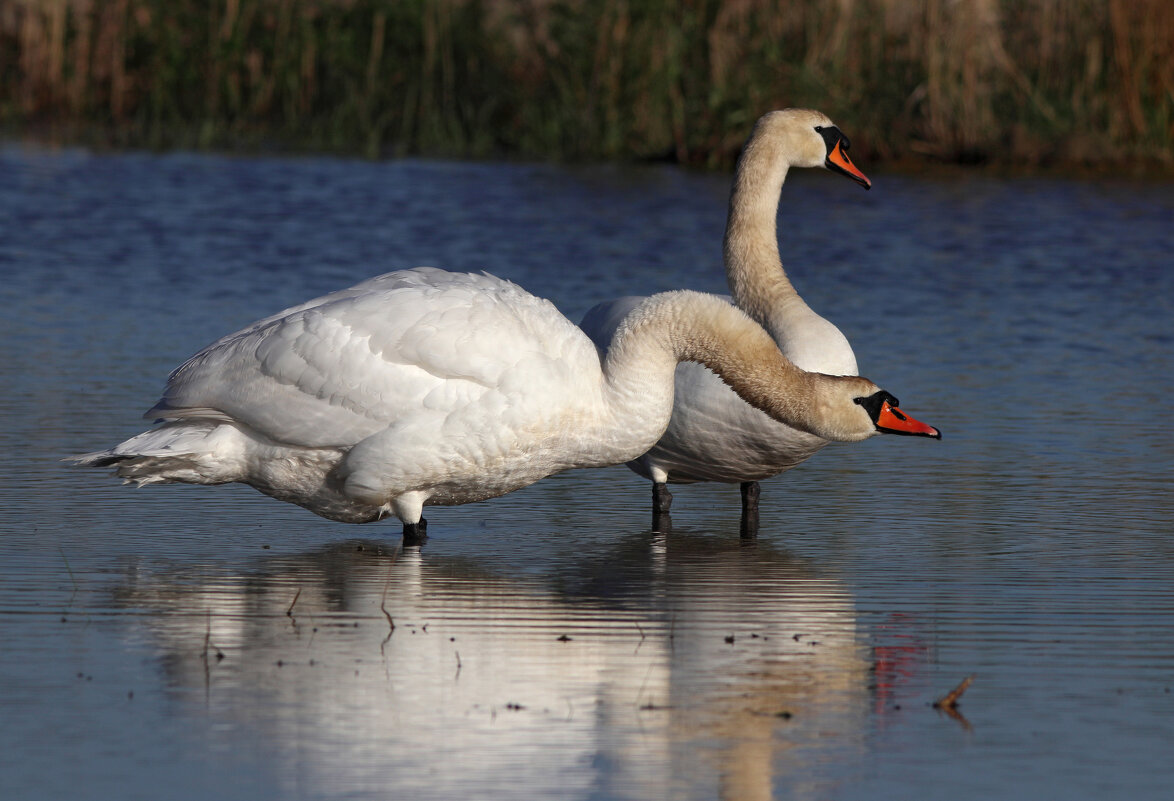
[714,436]
[424,387]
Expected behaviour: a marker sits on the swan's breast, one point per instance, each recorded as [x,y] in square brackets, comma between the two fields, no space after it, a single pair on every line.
[812,342]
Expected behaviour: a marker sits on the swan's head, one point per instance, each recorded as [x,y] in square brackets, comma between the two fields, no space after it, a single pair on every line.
[856,409]
[810,139]
[888,419]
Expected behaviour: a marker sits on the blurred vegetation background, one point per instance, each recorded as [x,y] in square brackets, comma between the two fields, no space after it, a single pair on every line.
[1029,83]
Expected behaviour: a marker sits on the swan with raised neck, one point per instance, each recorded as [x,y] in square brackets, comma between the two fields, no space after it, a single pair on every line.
[713,436]
[750,248]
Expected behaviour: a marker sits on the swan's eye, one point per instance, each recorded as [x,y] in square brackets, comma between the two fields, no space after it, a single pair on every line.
[832,136]
[874,403]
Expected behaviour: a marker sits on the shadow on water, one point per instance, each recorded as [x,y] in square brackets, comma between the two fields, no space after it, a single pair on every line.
[614,673]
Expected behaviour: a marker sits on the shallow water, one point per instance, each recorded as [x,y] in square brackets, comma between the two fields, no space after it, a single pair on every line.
[548,644]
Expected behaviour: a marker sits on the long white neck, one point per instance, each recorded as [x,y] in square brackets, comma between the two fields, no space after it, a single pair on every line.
[751,250]
[689,326]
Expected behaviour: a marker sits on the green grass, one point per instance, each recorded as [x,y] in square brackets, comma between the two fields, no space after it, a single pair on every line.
[1026,82]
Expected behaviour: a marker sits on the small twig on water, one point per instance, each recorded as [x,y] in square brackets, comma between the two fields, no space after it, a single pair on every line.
[68,569]
[643,637]
[383,601]
[72,578]
[949,701]
[208,645]
[298,594]
[458,653]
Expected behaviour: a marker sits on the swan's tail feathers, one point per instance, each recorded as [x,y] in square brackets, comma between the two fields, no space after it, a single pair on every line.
[190,452]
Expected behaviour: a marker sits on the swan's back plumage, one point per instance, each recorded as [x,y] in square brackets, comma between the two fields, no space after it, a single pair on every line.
[335,370]
[417,386]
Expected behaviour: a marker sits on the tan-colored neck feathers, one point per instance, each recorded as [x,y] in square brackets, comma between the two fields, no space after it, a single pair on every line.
[691,326]
[751,250]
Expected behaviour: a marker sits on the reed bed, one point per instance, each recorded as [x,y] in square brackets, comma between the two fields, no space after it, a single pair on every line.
[1021,82]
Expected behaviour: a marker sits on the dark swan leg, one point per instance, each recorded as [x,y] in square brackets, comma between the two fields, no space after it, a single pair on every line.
[750,493]
[662,499]
[415,533]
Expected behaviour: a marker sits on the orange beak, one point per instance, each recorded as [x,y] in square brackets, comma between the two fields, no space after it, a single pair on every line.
[838,160]
[892,420]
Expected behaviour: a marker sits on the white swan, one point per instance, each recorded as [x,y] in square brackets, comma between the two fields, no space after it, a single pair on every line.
[427,387]
[713,436]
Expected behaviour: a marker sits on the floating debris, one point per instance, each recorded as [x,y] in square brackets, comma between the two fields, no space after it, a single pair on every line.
[949,701]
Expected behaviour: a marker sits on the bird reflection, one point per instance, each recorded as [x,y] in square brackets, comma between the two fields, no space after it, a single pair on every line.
[683,661]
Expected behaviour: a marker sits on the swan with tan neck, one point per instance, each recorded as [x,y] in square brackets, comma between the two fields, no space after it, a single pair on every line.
[713,435]
[424,387]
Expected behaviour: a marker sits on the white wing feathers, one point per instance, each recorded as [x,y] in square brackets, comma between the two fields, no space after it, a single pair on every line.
[339,368]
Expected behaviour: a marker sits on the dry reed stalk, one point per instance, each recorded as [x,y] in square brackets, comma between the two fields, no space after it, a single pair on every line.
[83,16]
[948,78]
[32,55]
[1123,61]
[56,52]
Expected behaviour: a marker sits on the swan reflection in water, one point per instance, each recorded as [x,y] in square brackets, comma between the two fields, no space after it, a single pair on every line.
[686,663]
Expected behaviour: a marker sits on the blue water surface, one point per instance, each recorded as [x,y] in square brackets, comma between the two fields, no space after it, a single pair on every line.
[195,642]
